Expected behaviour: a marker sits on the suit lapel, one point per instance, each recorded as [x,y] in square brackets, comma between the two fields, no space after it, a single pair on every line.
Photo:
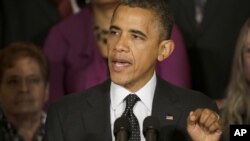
[96,117]
[165,104]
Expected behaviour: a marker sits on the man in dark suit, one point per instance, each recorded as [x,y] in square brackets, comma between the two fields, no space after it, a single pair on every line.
[136,41]
[26,20]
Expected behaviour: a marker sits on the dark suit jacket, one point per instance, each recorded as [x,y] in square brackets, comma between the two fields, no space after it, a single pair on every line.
[211,45]
[86,116]
[26,20]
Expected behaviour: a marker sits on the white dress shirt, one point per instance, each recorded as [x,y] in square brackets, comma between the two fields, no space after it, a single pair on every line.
[142,108]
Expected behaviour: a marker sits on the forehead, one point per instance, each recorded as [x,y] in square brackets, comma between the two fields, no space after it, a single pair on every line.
[133,17]
[24,65]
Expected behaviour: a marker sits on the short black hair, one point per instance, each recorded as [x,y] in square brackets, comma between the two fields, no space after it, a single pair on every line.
[161,9]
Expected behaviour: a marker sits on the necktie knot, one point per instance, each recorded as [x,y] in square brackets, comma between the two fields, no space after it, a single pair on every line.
[131,99]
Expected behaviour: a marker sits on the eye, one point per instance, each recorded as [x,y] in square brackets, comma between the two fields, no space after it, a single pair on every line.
[137,37]
[34,80]
[12,81]
[113,32]
[247,49]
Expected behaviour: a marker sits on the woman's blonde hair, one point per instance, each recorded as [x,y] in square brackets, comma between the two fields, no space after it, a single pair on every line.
[236,108]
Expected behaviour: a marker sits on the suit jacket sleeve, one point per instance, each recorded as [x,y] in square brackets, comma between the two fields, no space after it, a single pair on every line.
[53,126]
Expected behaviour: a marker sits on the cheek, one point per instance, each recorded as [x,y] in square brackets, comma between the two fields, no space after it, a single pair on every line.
[7,95]
[112,40]
[7,101]
[39,94]
[144,60]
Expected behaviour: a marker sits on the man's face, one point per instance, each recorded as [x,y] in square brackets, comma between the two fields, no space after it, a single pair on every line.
[23,89]
[133,44]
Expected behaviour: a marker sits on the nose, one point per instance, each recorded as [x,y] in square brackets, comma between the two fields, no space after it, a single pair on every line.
[122,45]
[24,86]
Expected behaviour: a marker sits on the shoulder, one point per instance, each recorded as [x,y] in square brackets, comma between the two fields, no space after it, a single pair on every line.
[75,31]
[72,102]
[186,98]
[75,22]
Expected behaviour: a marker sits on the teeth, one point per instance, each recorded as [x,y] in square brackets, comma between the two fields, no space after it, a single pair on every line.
[119,64]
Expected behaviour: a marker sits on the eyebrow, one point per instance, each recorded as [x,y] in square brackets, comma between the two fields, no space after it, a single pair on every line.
[138,32]
[114,27]
[132,30]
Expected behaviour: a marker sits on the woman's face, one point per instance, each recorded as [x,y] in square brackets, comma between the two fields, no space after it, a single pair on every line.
[23,90]
[246,56]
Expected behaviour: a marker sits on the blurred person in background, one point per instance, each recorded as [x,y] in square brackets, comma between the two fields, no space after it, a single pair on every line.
[68,7]
[77,50]
[210,29]
[23,92]
[236,106]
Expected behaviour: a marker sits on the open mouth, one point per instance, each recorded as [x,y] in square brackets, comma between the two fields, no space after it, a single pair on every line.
[120,64]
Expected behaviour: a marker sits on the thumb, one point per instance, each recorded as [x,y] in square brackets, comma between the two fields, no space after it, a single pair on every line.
[191,120]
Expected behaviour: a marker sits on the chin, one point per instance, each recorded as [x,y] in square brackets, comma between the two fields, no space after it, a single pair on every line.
[26,110]
[120,79]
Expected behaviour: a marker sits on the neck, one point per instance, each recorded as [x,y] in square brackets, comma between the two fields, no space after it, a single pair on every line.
[26,125]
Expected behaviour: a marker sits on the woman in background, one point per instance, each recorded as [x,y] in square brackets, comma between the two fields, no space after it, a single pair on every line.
[236,107]
[23,92]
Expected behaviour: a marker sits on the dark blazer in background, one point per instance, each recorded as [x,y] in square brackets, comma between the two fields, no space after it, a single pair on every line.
[211,45]
[26,20]
[86,116]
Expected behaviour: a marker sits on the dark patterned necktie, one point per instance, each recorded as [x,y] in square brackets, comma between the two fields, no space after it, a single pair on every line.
[131,99]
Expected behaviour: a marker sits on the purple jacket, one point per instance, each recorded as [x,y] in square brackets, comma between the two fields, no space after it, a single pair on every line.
[76,63]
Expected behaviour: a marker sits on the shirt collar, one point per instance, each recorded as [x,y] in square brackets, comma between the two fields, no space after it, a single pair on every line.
[146,93]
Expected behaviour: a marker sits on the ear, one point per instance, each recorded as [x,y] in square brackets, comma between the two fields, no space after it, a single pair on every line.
[165,49]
